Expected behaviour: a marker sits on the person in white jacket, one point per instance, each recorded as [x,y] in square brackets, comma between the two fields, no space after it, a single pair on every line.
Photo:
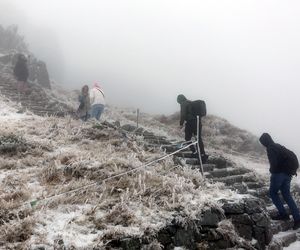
[97,100]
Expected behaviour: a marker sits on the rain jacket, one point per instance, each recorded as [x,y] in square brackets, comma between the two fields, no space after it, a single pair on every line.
[275,153]
[185,109]
[21,70]
[97,96]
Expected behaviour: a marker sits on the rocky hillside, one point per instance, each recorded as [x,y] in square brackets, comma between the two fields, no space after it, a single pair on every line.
[65,184]
[39,99]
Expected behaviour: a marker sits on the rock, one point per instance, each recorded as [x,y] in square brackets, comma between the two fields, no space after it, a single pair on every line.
[254,206]
[260,236]
[241,219]
[165,235]
[130,244]
[210,217]
[233,208]
[39,73]
[261,219]
[185,237]
[244,231]
[220,162]
[129,127]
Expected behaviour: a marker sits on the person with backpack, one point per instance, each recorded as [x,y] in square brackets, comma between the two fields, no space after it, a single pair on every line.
[84,104]
[189,110]
[21,73]
[97,101]
[283,165]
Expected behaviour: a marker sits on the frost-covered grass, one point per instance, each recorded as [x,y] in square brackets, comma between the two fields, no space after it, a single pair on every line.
[63,154]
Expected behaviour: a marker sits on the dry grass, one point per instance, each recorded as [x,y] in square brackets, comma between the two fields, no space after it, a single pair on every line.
[69,154]
[17,231]
[120,215]
[51,174]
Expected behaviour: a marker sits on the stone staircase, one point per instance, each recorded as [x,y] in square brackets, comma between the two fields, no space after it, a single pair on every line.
[240,179]
[37,100]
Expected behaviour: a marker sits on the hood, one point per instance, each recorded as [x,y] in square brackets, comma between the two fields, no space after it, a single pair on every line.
[266,139]
[181,99]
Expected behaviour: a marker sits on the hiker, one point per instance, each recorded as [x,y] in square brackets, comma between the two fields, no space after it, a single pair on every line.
[188,114]
[21,73]
[84,106]
[97,101]
[283,165]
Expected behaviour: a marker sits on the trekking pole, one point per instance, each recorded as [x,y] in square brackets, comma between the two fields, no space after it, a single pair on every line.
[199,153]
[137,117]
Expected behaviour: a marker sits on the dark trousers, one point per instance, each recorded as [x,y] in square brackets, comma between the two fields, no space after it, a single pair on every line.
[282,182]
[190,130]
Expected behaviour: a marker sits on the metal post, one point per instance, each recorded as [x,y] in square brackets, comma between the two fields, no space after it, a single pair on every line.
[199,153]
[137,117]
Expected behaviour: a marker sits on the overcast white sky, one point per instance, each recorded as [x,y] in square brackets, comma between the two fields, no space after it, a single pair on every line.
[241,56]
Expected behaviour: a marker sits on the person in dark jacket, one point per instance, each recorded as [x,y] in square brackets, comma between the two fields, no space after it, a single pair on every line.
[280,180]
[21,73]
[83,110]
[190,120]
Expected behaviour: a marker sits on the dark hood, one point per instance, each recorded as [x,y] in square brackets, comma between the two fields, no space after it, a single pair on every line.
[181,99]
[266,139]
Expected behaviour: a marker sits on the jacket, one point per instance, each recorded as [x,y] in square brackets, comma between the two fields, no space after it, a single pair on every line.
[84,106]
[276,154]
[21,70]
[97,96]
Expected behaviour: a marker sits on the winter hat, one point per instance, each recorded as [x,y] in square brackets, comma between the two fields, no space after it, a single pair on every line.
[181,98]
[96,85]
[266,139]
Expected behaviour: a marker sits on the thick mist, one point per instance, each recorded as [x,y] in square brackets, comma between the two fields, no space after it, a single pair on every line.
[242,57]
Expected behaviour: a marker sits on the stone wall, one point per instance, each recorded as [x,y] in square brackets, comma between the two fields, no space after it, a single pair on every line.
[251,220]
[239,224]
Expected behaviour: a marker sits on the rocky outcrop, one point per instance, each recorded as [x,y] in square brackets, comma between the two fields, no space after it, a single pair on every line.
[209,230]
[38,72]
[36,100]
[11,44]
[251,220]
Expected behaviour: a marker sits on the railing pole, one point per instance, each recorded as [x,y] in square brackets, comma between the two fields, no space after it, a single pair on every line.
[137,117]
[199,153]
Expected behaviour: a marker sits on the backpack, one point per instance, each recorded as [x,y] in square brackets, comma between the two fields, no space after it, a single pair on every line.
[290,162]
[198,108]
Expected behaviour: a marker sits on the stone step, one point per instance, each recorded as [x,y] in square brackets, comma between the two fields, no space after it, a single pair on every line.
[173,148]
[281,226]
[255,185]
[230,180]
[272,210]
[195,161]
[158,142]
[283,239]
[219,173]
[260,192]
[206,168]
[185,155]
[220,162]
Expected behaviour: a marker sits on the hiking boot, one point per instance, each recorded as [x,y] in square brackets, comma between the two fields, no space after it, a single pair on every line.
[296,225]
[281,217]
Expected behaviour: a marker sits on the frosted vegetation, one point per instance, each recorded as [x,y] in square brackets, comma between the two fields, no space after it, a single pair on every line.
[45,156]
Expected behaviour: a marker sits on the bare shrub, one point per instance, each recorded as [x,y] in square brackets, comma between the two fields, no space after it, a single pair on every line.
[120,215]
[14,189]
[51,174]
[155,245]
[17,231]
[8,164]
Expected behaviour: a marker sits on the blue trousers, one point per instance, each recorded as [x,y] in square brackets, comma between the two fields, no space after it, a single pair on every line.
[97,110]
[282,182]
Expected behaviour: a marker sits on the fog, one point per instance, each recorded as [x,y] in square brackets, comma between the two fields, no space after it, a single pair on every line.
[241,57]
